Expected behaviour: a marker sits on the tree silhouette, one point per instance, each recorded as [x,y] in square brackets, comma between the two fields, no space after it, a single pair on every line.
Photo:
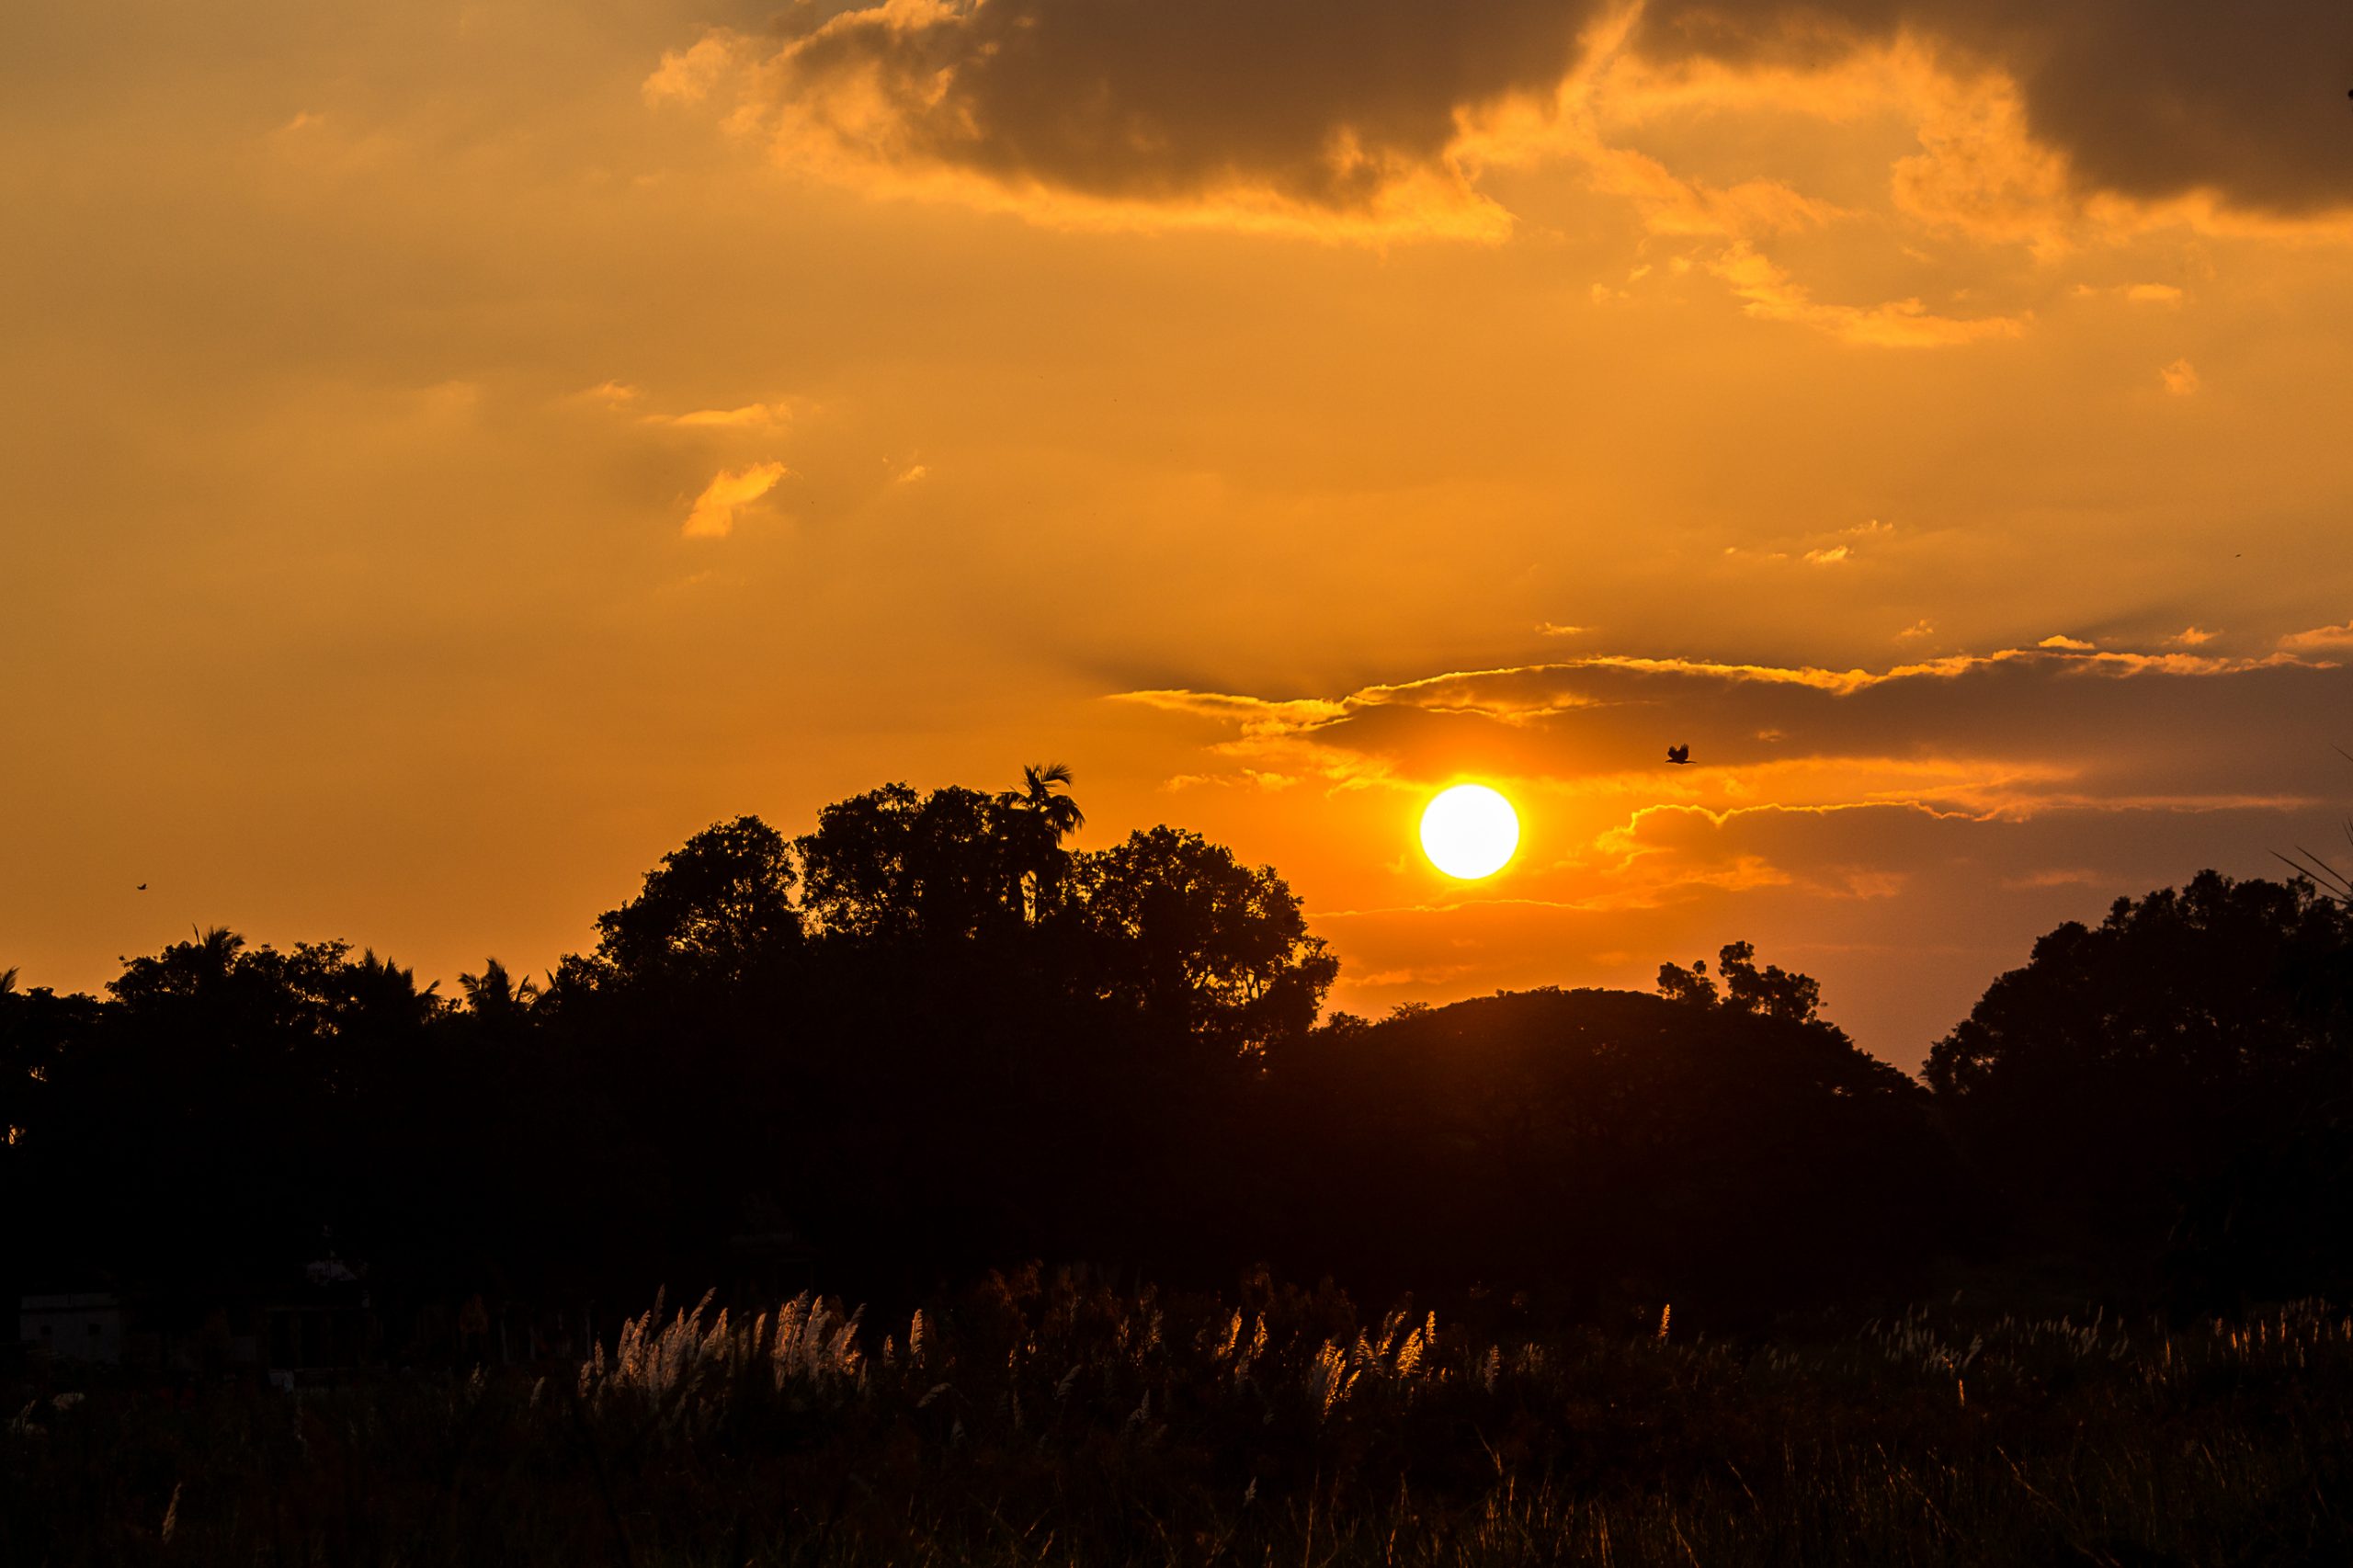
[1689,987]
[717,909]
[2171,1000]
[926,1038]
[892,865]
[1772,991]
[495,994]
[1043,814]
[1186,934]
[2171,1084]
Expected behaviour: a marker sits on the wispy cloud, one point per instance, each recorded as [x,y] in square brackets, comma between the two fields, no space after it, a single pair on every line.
[2321,637]
[730,490]
[1770,293]
[608,394]
[750,416]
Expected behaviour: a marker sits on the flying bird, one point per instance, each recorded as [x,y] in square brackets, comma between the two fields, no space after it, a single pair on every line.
[1678,755]
[143,887]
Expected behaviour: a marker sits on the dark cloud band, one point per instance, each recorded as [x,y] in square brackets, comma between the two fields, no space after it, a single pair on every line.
[1327,103]
[2148,98]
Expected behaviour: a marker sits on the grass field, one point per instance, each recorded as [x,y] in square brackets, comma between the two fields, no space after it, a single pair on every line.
[1059,1422]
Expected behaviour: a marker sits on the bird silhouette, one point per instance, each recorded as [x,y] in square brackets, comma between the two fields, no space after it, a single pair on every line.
[1678,755]
[143,887]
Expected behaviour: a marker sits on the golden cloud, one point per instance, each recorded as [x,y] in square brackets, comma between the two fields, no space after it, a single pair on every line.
[2321,637]
[1768,294]
[2011,736]
[750,416]
[713,513]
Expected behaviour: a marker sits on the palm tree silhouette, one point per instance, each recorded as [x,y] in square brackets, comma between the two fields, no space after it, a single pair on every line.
[496,992]
[1043,816]
[215,950]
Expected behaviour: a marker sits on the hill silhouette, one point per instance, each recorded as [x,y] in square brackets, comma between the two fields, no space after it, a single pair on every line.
[1671,1146]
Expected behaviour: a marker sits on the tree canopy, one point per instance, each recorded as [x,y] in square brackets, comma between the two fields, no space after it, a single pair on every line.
[715,911]
[2169,1088]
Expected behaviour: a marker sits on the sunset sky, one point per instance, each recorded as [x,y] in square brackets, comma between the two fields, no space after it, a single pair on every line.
[451,453]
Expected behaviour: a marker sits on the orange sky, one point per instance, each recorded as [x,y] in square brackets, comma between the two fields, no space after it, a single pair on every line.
[452,453]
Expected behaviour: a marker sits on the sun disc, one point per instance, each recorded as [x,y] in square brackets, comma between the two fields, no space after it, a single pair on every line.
[1470,832]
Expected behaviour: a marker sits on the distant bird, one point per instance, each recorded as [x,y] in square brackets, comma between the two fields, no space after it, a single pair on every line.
[1678,755]
[143,887]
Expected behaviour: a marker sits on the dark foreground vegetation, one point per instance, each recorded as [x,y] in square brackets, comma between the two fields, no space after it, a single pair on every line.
[1068,1423]
[925,1045]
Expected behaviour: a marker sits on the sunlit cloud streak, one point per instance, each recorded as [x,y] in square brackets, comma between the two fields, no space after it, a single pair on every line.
[730,490]
[2321,637]
[750,416]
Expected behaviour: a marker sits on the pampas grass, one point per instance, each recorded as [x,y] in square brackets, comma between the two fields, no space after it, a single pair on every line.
[1054,1421]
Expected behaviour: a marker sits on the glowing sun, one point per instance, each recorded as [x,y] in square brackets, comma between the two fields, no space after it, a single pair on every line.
[1470,832]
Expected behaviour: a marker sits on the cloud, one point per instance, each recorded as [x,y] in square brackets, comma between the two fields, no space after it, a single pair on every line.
[2009,734]
[2149,101]
[2181,378]
[713,514]
[2053,652]
[618,397]
[1379,117]
[1255,716]
[608,394]
[2190,637]
[1830,557]
[688,75]
[1834,851]
[750,416]
[2132,293]
[2321,637]
[2057,877]
[1770,294]
[1324,106]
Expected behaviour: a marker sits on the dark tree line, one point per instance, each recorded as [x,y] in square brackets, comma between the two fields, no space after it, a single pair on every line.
[926,1038]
